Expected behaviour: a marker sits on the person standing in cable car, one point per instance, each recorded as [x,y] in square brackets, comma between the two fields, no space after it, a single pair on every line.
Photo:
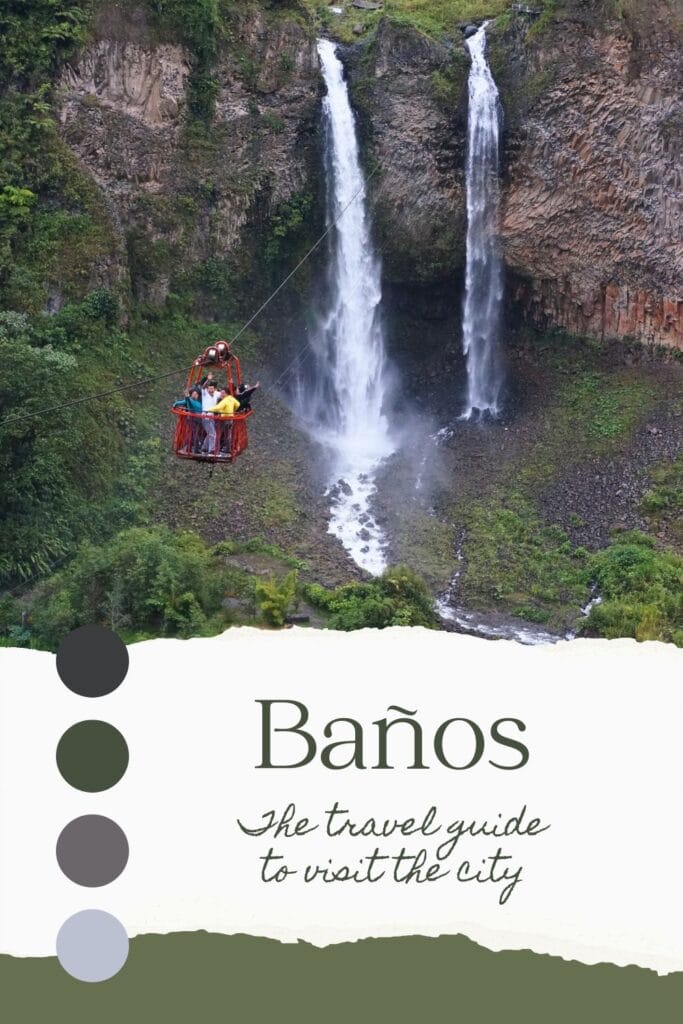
[227,406]
[192,403]
[209,396]
[244,393]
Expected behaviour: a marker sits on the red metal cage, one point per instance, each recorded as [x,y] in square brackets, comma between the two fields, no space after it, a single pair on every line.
[211,437]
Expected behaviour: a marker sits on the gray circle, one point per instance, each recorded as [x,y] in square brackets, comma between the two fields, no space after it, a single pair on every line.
[92,661]
[92,945]
[92,850]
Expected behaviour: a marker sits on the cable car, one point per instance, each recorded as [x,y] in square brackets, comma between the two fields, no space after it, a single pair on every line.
[201,435]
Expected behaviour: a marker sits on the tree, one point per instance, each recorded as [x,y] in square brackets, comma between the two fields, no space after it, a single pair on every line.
[148,580]
[274,598]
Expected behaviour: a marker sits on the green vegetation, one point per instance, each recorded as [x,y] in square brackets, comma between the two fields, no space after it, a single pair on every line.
[270,491]
[580,11]
[521,91]
[397,598]
[206,28]
[528,569]
[663,503]
[86,468]
[151,581]
[439,18]
[436,17]
[547,18]
[12,632]
[641,590]
[15,211]
[148,582]
[274,598]
[635,15]
[53,224]
[54,490]
[35,37]
[57,237]
[449,83]
[426,543]
[144,581]
[288,227]
[272,122]
[200,25]
[433,17]
[517,563]
[593,408]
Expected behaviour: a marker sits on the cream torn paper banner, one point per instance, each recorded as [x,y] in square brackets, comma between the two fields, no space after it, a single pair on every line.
[597,878]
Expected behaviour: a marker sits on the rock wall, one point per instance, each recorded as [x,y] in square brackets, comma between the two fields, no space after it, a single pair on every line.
[592,211]
[411,94]
[592,225]
[593,199]
[182,198]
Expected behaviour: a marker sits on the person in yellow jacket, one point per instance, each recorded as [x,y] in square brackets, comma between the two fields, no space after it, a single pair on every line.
[226,406]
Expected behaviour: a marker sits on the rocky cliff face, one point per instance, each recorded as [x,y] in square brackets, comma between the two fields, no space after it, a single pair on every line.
[411,93]
[183,198]
[592,215]
[593,198]
[592,201]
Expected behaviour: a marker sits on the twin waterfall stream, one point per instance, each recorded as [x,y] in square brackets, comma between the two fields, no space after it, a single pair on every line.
[343,402]
[484,268]
[341,397]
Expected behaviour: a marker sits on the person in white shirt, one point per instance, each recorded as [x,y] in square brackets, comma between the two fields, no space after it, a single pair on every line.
[209,399]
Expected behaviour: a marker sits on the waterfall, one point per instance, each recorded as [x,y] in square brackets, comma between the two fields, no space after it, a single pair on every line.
[484,272]
[341,390]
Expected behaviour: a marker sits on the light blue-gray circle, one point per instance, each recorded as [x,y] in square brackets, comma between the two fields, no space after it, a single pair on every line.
[92,945]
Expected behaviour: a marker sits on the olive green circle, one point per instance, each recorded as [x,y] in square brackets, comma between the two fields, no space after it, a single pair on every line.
[92,756]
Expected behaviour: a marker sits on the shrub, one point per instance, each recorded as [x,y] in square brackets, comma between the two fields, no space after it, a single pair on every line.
[274,598]
[641,589]
[35,36]
[10,614]
[397,598]
[144,579]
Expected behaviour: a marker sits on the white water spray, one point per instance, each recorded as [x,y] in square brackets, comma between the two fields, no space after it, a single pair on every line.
[342,401]
[484,272]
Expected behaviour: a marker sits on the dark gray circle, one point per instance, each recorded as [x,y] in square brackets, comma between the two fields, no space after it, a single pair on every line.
[92,661]
[92,945]
[92,850]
